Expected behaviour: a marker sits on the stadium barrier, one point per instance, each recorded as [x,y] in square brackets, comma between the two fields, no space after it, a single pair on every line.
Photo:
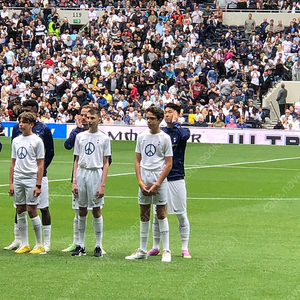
[198,135]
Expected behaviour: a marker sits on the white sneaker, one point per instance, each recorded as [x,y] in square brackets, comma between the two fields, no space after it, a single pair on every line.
[13,246]
[166,256]
[138,254]
[47,247]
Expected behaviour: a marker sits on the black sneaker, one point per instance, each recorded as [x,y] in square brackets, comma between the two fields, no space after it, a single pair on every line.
[79,251]
[98,252]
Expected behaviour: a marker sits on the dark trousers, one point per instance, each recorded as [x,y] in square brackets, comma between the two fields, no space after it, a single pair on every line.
[282,109]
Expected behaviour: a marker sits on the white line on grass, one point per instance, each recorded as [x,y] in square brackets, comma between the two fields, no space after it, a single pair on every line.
[196,167]
[262,168]
[67,179]
[202,198]
[243,163]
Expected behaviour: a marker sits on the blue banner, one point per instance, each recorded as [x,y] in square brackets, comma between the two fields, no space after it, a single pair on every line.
[59,131]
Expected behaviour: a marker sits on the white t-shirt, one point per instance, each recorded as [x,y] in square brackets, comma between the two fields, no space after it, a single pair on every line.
[46,72]
[141,122]
[91,149]
[26,150]
[153,148]
[255,77]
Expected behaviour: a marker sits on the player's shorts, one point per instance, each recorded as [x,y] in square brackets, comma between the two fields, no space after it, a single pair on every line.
[176,197]
[150,177]
[24,192]
[43,198]
[76,206]
[88,182]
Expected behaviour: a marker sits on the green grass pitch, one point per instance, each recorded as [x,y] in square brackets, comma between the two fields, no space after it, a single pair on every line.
[243,207]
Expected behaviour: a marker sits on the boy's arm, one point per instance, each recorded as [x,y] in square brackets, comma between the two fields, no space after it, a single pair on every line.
[101,188]
[11,177]
[74,184]
[40,163]
[166,170]
[142,185]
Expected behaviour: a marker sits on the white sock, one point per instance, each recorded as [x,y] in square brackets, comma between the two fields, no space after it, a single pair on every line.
[98,229]
[184,230]
[17,233]
[81,230]
[164,230]
[144,233]
[75,228]
[47,234]
[37,228]
[155,232]
[23,227]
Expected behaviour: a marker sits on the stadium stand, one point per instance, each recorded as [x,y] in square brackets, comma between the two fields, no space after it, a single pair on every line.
[132,54]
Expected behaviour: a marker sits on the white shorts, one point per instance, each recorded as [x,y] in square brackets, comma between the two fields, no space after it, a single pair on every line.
[176,197]
[24,192]
[88,182]
[43,198]
[76,206]
[150,177]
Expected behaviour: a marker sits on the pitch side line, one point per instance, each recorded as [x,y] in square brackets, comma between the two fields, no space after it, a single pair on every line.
[196,167]
[262,168]
[242,163]
[69,179]
[202,198]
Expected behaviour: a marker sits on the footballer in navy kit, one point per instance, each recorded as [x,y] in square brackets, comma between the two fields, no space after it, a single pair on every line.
[177,191]
[43,131]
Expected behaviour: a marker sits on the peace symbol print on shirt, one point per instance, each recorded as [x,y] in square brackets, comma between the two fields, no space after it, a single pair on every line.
[22,152]
[150,150]
[89,148]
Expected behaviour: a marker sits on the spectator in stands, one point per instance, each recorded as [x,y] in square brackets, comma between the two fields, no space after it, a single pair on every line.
[281,98]
[201,122]
[287,115]
[229,117]
[231,124]
[250,24]
[140,121]
[294,125]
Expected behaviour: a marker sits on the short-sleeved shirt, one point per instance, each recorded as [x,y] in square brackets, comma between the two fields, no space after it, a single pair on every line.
[153,148]
[26,150]
[249,25]
[91,149]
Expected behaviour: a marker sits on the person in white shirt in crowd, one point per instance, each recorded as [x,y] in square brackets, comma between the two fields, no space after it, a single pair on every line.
[147,102]
[140,121]
[48,119]
[294,125]
[46,72]
[93,14]
[288,116]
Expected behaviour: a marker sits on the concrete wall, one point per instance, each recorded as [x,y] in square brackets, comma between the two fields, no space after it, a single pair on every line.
[238,18]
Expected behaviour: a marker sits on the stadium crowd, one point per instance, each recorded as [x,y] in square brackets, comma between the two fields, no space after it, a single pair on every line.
[140,53]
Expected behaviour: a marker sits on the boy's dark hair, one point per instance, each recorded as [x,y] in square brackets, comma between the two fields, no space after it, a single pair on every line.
[156,111]
[94,111]
[31,103]
[27,117]
[173,106]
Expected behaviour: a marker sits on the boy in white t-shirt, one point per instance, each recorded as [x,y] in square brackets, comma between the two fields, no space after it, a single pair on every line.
[91,151]
[153,163]
[25,179]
